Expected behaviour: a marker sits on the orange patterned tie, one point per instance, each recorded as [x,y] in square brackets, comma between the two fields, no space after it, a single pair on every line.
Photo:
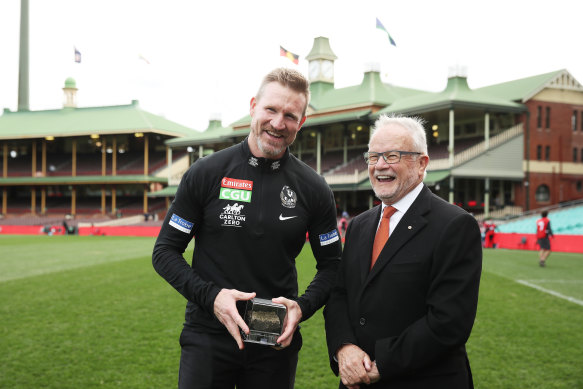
[382,234]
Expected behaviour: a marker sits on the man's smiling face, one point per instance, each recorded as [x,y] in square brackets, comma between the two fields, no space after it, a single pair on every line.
[391,182]
[277,116]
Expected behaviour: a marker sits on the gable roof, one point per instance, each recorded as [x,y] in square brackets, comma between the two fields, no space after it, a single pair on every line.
[117,119]
[371,91]
[457,93]
[325,98]
[524,89]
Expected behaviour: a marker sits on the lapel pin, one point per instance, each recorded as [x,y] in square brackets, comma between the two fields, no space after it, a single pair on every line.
[410,227]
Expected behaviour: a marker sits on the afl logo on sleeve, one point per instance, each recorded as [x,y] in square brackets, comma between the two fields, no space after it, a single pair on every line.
[180,224]
[328,238]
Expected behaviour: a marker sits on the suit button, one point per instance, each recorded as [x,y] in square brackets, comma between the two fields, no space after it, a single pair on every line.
[362,321]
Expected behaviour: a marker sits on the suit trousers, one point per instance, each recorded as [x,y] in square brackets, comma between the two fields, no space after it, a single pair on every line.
[213,360]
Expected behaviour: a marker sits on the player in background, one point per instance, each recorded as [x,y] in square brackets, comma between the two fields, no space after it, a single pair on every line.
[343,225]
[490,231]
[543,233]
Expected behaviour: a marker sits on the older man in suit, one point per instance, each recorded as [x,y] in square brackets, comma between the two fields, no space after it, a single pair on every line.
[407,290]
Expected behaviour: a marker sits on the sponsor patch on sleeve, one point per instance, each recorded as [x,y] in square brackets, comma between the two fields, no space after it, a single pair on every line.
[328,238]
[180,224]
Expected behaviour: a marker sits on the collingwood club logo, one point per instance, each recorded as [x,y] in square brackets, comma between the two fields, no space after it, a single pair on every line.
[288,197]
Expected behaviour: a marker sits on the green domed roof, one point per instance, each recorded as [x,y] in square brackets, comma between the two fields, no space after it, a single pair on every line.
[70,83]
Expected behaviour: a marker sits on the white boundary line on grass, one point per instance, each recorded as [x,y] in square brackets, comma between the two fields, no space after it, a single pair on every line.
[556,281]
[551,292]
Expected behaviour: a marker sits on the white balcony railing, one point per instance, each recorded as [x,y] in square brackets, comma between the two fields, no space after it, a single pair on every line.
[354,178]
[477,149]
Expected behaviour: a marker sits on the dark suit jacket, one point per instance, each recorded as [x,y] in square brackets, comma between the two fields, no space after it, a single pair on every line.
[414,311]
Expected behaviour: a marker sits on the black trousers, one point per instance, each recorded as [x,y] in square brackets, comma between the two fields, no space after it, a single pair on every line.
[214,361]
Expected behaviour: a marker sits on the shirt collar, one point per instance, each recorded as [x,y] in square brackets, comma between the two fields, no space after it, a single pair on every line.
[403,205]
[264,163]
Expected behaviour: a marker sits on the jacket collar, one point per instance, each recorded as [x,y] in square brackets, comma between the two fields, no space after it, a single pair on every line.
[412,222]
[267,164]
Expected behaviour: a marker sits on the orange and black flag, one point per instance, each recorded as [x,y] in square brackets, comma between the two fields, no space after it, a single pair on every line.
[291,56]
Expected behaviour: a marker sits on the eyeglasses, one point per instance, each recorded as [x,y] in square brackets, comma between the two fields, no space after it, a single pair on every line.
[390,157]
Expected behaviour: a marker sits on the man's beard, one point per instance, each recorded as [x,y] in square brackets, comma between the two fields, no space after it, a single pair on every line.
[269,150]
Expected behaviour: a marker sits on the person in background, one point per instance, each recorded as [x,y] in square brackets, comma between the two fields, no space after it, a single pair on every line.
[490,234]
[543,233]
[249,208]
[343,224]
[406,296]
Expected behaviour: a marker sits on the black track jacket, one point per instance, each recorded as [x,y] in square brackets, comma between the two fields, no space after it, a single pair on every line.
[249,217]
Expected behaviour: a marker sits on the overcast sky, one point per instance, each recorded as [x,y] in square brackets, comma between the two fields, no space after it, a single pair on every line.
[208,57]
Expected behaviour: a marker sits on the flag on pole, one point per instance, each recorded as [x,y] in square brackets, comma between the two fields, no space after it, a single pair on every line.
[77,55]
[291,56]
[381,27]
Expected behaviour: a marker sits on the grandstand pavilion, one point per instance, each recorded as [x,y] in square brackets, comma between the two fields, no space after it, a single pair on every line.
[84,161]
[497,150]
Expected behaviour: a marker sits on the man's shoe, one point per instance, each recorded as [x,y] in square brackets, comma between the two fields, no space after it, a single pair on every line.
[541,263]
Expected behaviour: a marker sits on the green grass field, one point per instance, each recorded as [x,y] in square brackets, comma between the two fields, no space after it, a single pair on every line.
[91,312]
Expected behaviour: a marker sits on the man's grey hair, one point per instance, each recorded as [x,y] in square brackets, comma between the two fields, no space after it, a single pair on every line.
[414,125]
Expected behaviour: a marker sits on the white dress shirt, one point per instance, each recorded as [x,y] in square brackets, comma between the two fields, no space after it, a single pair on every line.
[402,206]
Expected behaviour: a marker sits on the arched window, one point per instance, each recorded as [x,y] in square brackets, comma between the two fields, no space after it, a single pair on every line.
[542,194]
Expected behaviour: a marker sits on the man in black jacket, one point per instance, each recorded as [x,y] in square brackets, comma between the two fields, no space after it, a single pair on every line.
[407,292]
[248,208]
